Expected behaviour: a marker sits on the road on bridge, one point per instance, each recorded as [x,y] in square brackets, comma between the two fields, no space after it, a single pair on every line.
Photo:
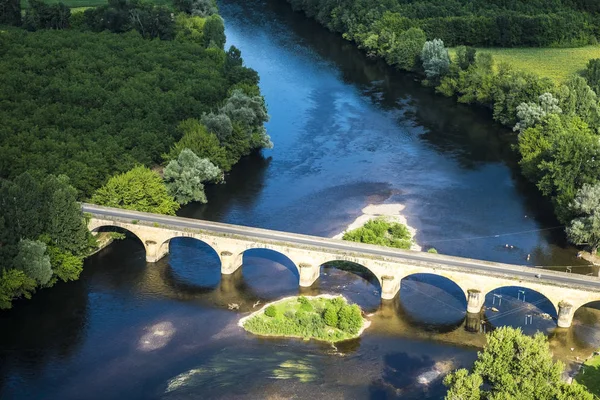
[529,273]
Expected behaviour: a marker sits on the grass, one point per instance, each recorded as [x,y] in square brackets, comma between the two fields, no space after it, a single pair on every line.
[589,376]
[321,318]
[555,63]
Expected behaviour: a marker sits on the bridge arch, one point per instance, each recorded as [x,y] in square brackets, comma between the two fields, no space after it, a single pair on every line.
[276,257]
[537,296]
[357,268]
[444,303]
[116,228]
[522,306]
[164,247]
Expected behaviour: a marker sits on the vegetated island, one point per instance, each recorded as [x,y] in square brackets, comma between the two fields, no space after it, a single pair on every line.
[324,317]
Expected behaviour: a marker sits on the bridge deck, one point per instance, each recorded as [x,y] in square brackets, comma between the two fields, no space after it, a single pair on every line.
[441,261]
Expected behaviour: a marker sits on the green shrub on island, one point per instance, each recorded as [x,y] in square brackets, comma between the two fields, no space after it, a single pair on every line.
[271,311]
[381,232]
[329,319]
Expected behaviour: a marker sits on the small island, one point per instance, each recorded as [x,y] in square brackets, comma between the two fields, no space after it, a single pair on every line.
[324,317]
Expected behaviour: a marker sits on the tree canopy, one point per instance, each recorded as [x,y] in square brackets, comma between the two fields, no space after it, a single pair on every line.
[584,229]
[375,24]
[185,176]
[139,189]
[513,366]
[115,101]
[43,235]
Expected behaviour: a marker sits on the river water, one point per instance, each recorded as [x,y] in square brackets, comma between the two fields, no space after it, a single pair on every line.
[348,131]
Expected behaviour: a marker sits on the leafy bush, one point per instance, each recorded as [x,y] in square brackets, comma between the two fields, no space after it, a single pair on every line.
[330,316]
[350,319]
[271,311]
[305,304]
[381,232]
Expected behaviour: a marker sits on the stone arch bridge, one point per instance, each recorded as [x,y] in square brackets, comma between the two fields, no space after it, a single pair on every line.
[567,292]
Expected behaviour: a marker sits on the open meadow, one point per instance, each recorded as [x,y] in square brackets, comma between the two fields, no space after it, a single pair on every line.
[555,63]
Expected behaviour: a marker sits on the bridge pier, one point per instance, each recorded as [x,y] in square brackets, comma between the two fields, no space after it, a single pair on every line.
[155,251]
[230,262]
[475,300]
[308,274]
[566,311]
[390,286]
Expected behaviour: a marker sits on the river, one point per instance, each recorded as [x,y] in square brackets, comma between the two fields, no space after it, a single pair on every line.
[348,132]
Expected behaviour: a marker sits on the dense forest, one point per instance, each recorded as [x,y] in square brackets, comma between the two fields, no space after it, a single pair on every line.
[90,101]
[486,23]
[557,123]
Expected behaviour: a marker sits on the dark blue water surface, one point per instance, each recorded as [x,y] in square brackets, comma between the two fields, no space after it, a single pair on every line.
[348,132]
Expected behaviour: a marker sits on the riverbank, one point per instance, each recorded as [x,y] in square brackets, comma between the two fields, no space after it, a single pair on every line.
[390,212]
[327,318]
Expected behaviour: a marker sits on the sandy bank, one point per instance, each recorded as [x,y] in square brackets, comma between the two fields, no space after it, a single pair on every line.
[391,212]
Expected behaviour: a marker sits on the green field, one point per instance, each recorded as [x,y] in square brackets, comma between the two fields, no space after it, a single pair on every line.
[554,63]
[589,376]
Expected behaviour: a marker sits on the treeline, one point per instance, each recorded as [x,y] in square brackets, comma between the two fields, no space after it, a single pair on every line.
[43,237]
[479,23]
[557,126]
[94,100]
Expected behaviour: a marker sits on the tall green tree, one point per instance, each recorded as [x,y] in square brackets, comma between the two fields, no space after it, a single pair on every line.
[577,98]
[585,228]
[214,32]
[185,177]
[531,113]
[435,58]
[40,15]
[407,49]
[14,283]
[203,143]
[33,261]
[65,224]
[513,366]
[138,189]
[10,12]
[592,75]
